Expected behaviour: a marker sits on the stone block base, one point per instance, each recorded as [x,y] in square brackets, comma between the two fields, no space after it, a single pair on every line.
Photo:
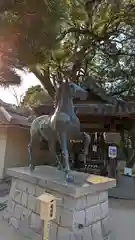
[82,209]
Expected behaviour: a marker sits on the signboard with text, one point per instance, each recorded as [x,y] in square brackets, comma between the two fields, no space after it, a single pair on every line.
[112,152]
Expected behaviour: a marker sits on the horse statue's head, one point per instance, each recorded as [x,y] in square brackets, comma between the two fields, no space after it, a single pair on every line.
[75,91]
[71,89]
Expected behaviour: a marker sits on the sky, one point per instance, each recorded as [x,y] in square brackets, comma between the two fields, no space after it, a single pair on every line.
[28,80]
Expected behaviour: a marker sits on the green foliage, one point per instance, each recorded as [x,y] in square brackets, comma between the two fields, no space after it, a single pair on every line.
[35,96]
[56,39]
[64,38]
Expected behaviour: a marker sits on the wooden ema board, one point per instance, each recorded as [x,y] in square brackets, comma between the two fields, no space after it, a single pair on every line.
[98,179]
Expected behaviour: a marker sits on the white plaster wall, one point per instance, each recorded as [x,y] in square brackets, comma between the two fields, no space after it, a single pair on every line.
[16,154]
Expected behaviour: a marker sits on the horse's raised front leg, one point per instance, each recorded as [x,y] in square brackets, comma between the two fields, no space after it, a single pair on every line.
[31,165]
[64,148]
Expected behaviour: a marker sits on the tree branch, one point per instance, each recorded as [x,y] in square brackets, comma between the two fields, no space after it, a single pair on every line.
[45,81]
[78,57]
[74,30]
[118,92]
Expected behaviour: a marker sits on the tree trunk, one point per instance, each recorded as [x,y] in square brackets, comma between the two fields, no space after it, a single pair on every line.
[46,82]
[130,163]
[129,151]
[132,154]
[123,146]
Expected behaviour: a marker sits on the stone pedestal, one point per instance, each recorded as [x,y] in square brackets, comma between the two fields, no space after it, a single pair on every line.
[82,208]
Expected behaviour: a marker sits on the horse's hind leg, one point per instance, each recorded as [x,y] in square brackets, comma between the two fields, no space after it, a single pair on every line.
[31,165]
[52,149]
[64,147]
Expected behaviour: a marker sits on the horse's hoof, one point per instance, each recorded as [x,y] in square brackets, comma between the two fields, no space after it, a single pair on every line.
[32,167]
[69,179]
[60,167]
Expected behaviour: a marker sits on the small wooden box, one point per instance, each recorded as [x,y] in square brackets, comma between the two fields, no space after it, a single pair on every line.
[47,207]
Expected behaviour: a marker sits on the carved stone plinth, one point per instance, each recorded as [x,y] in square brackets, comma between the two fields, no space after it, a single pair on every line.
[82,209]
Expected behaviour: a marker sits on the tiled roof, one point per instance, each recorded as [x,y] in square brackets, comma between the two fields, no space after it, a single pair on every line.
[10,115]
[108,106]
[94,109]
[91,84]
[17,119]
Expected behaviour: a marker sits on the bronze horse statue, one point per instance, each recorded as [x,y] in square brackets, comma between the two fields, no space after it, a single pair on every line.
[62,126]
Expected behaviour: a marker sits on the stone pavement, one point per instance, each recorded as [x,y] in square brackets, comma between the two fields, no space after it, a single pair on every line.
[125,188]
[5,187]
[122,212]
[8,233]
[123,215]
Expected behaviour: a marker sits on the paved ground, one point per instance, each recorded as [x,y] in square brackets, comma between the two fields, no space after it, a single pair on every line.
[122,212]
[125,188]
[8,233]
[4,188]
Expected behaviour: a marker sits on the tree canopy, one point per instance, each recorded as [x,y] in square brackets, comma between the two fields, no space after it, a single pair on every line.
[35,96]
[56,39]
[70,38]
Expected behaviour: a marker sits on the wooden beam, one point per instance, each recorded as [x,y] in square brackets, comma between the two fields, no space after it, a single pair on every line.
[92,125]
[100,130]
